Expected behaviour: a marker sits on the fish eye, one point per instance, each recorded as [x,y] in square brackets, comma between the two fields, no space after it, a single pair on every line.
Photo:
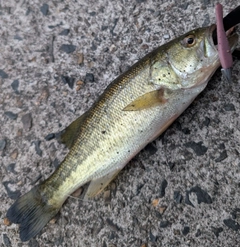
[189,41]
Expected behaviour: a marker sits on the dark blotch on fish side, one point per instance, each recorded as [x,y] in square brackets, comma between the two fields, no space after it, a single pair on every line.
[68,48]
[223,155]
[217,231]
[186,230]
[27,121]
[177,196]
[11,115]
[3,74]
[197,147]
[232,224]
[89,77]
[229,107]
[64,32]
[202,196]
[6,240]
[163,187]
[12,194]
[44,9]
[68,80]
[15,85]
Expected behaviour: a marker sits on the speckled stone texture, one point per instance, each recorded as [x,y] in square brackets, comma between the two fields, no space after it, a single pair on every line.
[56,57]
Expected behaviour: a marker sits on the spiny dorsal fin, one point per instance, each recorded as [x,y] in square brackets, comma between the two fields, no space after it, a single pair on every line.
[147,100]
[70,134]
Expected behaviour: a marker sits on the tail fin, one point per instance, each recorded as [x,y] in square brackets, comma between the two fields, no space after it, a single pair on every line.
[32,212]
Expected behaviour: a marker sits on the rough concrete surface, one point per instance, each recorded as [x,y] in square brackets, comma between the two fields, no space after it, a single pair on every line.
[181,190]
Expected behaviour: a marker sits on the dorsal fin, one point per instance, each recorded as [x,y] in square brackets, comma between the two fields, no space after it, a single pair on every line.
[70,134]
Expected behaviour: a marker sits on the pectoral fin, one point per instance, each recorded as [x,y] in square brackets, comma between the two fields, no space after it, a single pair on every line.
[147,100]
[70,134]
[97,185]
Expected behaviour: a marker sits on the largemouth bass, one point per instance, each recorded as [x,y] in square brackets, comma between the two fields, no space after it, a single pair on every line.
[134,109]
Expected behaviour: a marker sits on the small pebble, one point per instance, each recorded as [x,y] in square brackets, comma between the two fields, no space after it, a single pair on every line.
[68,80]
[177,197]
[6,222]
[113,226]
[89,78]
[3,74]
[64,32]
[37,147]
[163,187]
[27,121]
[217,231]
[197,147]
[11,167]
[155,202]
[68,48]
[152,237]
[162,209]
[11,194]
[11,115]
[164,224]
[185,230]
[232,224]
[3,144]
[202,196]
[151,149]
[44,9]
[80,58]
[6,240]
[229,107]
[14,154]
[49,137]
[223,155]
[15,85]
[166,36]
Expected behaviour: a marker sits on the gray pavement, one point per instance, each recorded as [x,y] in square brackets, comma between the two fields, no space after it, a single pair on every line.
[56,58]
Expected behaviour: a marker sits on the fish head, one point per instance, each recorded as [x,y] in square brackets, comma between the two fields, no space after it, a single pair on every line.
[194,56]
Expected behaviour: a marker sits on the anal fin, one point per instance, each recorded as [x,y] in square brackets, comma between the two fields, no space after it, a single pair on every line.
[97,185]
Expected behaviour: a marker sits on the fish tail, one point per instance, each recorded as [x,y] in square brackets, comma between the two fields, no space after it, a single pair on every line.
[32,212]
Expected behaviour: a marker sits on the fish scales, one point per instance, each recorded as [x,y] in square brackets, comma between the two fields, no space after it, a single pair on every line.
[133,110]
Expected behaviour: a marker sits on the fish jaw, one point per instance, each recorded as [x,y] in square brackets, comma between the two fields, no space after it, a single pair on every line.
[194,68]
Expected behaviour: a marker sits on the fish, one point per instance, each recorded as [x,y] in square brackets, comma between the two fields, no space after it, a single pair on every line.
[133,110]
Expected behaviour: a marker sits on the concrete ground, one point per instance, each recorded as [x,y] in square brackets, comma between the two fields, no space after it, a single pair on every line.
[56,58]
